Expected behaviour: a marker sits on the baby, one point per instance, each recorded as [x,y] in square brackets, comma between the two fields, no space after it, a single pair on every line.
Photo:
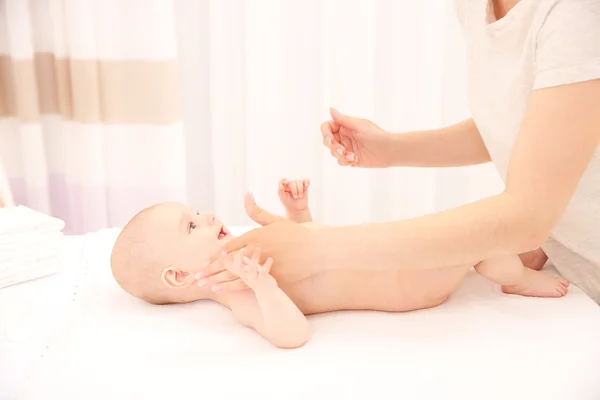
[160,253]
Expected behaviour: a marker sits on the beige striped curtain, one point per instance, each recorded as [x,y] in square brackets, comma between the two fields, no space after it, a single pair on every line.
[90,124]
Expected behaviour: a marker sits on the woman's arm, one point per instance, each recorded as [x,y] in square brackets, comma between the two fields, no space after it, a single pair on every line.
[558,137]
[370,146]
[456,145]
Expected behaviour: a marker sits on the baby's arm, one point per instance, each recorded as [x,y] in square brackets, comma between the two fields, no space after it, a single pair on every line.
[265,307]
[297,209]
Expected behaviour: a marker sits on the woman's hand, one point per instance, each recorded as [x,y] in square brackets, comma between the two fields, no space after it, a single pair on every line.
[286,242]
[357,142]
[249,269]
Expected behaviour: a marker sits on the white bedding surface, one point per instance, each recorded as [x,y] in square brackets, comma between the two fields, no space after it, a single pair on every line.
[33,314]
[480,344]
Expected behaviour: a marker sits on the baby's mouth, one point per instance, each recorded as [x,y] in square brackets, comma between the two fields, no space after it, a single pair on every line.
[222,233]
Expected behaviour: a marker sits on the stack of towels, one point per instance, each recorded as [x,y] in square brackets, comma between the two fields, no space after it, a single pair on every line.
[30,245]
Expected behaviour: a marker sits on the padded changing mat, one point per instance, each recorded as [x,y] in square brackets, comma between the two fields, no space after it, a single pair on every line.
[480,344]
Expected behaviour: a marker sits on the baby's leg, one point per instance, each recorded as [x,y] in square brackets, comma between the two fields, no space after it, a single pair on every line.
[515,278]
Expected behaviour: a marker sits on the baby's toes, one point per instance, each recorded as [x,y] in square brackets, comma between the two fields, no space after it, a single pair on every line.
[562,290]
[563,286]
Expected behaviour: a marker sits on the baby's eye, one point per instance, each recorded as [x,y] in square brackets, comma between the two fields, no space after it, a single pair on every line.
[191,227]
[197,212]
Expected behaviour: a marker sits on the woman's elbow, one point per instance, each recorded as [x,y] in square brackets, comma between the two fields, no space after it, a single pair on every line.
[532,241]
[532,231]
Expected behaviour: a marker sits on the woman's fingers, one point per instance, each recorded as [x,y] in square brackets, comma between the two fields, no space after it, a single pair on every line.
[235,285]
[217,279]
[349,155]
[340,146]
[328,130]
[341,158]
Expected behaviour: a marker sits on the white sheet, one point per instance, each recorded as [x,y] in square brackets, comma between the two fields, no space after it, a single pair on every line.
[481,344]
[33,314]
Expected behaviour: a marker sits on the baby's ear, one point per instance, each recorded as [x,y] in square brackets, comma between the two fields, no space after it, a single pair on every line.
[175,278]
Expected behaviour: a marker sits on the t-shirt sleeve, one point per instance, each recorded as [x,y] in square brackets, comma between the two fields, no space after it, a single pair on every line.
[568,44]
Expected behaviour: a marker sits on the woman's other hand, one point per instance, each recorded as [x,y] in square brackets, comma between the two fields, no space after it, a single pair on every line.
[356,142]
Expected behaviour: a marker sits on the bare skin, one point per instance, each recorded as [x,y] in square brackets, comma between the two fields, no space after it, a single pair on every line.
[157,254]
[403,290]
[411,290]
[371,290]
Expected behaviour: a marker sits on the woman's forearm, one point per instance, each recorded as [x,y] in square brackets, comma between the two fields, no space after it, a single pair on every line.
[456,145]
[488,228]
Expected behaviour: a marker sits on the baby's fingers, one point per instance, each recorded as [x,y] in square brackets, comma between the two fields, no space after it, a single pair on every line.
[282,186]
[231,286]
[301,188]
[293,188]
[234,266]
[267,265]
[255,256]
[251,268]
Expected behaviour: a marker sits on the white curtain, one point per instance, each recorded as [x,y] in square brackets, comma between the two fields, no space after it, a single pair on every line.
[258,77]
[108,106]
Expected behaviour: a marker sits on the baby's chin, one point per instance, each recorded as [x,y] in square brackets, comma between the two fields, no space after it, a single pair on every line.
[220,245]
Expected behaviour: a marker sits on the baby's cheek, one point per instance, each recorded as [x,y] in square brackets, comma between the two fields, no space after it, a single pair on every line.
[203,246]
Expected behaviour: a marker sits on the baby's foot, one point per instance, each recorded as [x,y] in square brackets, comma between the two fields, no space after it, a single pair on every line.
[538,284]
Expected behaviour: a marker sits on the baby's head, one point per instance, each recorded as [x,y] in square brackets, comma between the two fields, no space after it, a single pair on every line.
[160,250]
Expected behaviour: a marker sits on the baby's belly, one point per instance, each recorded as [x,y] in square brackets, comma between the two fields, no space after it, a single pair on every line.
[381,291]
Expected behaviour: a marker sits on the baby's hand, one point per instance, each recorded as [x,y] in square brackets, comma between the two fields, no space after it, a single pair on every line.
[294,194]
[249,270]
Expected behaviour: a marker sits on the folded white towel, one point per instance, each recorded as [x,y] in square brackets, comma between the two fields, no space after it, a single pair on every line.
[30,245]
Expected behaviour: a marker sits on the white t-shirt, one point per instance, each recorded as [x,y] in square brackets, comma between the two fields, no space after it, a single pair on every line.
[538,44]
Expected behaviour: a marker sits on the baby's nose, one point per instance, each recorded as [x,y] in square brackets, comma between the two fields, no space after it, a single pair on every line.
[210,219]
